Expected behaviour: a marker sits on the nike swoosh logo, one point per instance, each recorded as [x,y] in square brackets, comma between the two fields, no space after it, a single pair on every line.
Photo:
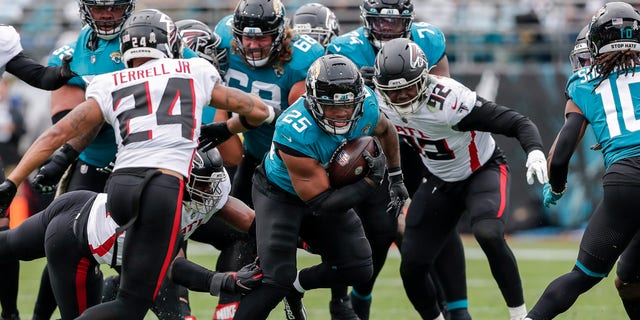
[336,48]
[455,105]
[287,138]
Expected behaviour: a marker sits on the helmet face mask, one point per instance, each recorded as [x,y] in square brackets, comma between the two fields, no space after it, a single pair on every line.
[259,30]
[149,33]
[580,56]
[384,21]
[316,21]
[614,27]
[117,12]
[335,94]
[206,176]
[198,37]
[401,75]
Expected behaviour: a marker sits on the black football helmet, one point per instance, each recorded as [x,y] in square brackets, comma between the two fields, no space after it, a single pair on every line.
[199,37]
[614,27]
[207,172]
[316,21]
[386,19]
[149,33]
[333,82]
[105,29]
[580,55]
[256,18]
[399,65]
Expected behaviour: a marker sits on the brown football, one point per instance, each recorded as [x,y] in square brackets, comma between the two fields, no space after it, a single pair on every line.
[347,165]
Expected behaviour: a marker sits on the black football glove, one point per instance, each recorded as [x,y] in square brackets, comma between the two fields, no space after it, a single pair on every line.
[367,76]
[213,134]
[397,191]
[65,68]
[8,190]
[243,281]
[376,164]
[51,171]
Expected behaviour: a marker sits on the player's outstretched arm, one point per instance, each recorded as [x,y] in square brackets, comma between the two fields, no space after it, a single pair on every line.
[249,106]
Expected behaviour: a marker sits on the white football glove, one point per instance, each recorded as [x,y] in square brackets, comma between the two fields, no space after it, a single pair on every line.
[537,166]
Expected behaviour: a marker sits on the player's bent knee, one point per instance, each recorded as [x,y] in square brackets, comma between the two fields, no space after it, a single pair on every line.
[356,275]
[628,290]
[488,229]
[411,269]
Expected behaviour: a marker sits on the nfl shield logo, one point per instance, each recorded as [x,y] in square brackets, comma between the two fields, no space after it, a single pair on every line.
[343,158]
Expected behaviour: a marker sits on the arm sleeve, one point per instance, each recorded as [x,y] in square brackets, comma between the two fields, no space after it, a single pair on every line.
[566,143]
[488,116]
[340,200]
[191,275]
[35,74]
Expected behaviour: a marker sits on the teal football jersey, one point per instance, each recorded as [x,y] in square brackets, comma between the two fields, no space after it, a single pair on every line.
[87,63]
[271,83]
[612,109]
[297,129]
[355,45]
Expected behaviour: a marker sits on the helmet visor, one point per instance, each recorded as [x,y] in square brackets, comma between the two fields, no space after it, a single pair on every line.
[107,19]
[388,27]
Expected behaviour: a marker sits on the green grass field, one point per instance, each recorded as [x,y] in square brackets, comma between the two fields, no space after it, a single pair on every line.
[540,261]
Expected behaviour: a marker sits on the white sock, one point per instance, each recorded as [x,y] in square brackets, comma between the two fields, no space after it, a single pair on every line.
[297,285]
[440,317]
[518,313]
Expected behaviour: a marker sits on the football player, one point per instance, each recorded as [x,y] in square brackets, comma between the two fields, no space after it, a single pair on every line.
[292,195]
[601,95]
[316,21]
[76,233]
[144,195]
[384,21]
[451,128]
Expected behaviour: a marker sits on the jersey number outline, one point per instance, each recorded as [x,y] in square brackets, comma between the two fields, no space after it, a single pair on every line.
[443,152]
[626,105]
[268,92]
[300,124]
[305,43]
[176,89]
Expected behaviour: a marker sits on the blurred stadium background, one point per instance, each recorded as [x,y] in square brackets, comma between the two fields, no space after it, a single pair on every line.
[513,52]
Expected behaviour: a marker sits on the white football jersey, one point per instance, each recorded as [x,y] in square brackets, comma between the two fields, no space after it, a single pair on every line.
[101,229]
[449,154]
[156,110]
[9,45]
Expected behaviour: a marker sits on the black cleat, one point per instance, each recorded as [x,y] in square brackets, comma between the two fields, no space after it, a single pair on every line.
[341,309]
[293,306]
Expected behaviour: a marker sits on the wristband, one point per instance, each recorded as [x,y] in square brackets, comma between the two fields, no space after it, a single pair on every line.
[558,193]
[271,117]
[395,174]
[68,150]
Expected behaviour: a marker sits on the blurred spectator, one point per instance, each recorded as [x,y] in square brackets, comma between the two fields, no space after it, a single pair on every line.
[11,124]
[530,37]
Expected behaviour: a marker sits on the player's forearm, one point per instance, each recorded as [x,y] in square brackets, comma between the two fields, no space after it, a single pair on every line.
[391,146]
[82,141]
